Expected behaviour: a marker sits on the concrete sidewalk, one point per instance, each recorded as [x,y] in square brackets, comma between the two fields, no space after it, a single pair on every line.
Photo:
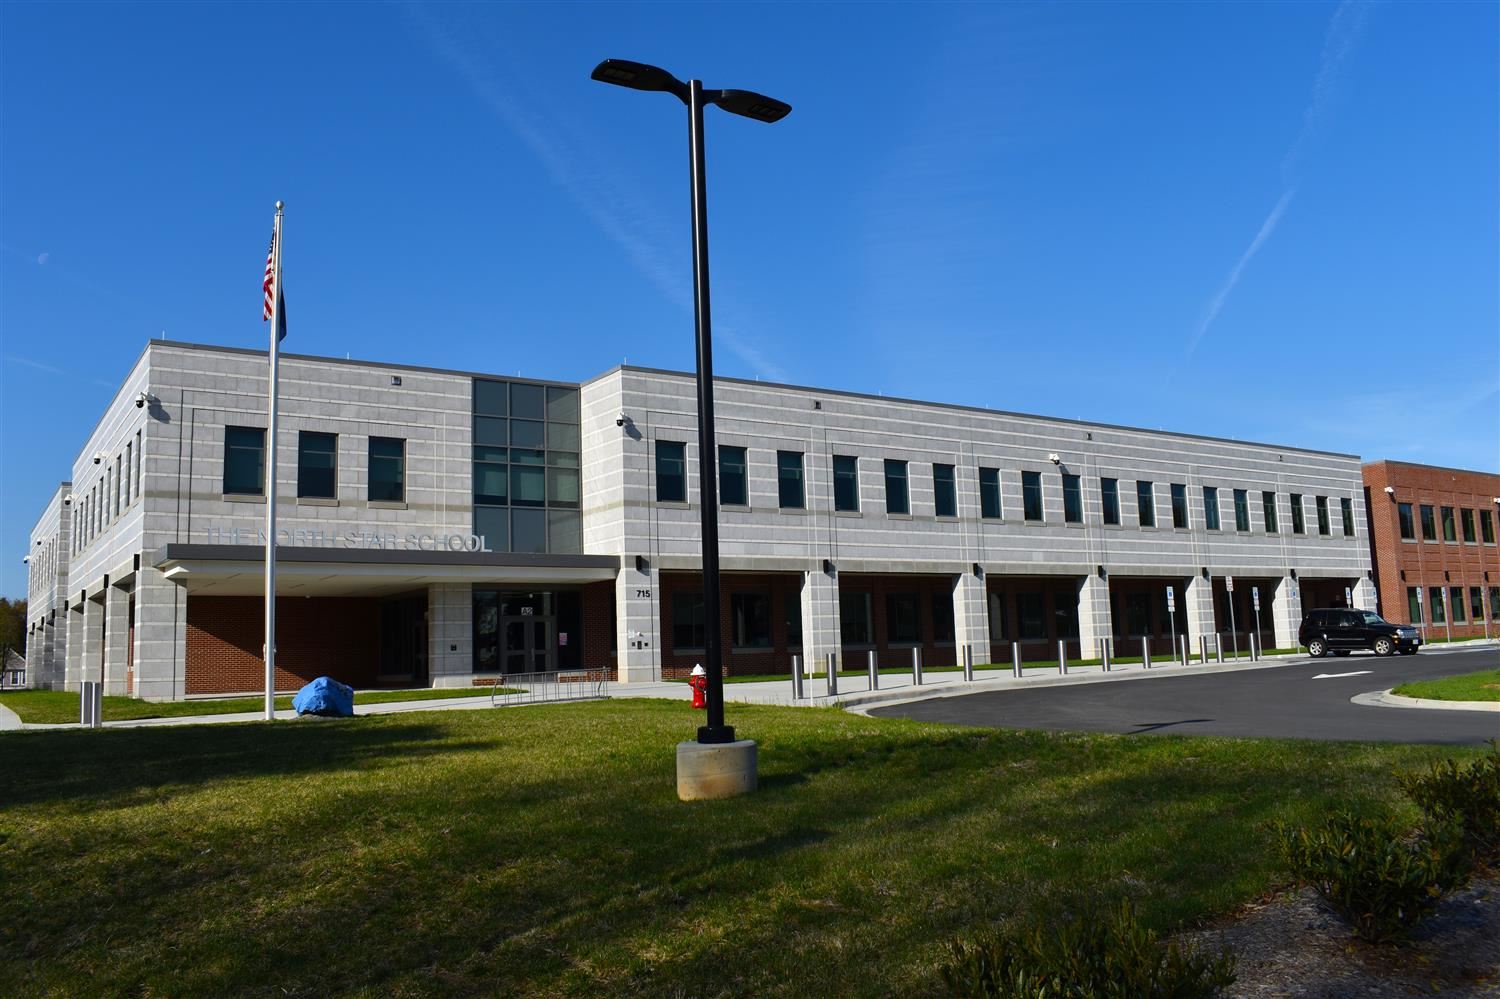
[854,691]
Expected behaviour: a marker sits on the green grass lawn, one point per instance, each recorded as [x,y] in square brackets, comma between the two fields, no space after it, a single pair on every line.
[60,707]
[542,851]
[1481,686]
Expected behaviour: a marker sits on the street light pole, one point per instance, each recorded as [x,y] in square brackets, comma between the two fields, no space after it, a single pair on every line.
[638,76]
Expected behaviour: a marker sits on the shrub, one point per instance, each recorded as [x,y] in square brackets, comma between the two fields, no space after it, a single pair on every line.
[1468,796]
[1380,876]
[1105,955]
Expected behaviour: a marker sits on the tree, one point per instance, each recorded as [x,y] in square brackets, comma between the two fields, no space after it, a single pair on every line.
[13,625]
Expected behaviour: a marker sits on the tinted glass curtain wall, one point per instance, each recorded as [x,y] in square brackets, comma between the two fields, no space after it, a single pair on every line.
[526,484]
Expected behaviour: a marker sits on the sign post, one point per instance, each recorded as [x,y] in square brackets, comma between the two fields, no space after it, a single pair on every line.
[1172,617]
[1234,639]
[1255,600]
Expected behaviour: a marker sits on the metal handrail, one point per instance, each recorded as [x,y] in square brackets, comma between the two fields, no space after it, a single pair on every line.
[551,685]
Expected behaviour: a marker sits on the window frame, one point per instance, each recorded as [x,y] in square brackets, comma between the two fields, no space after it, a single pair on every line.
[1212,515]
[1325,526]
[1242,510]
[1033,500]
[1145,503]
[303,438]
[782,480]
[1346,515]
[661,462]
[1180,518]
[730,478]
[1449,525]
[372,458]
[989,494]
[1109,500]
[1268,510]
[897,488]
[849,477]
[243,447]
[1406,522]
[1072,492]
[944,491]
[1466,526]
[1299,514]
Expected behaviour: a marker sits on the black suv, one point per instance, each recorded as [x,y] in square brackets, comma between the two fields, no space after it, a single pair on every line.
[1342,631]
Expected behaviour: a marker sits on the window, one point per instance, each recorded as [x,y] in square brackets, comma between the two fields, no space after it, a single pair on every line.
[1468,522]
[1346,512]
[687,620]
[1494,603]
[944,493]
[1429,523]
[1449,533]
[1072,499]
[1268,510]
[1241,510]
[140,459]
[244,461]
[1413,606]
[1179,505]
[734,487]
[117,484]
[1476,604]
[942,617]
[1435,603]
[1211,507]
[129,473]
[998,631]
[989,493]
[845,482]
[1322,504]
[316,464]
[1298,527]
[855,624]
[750,620]
[1109,494]
[1456,603]
[1033,617]
[671,472]
[1145,502]
[1405,521]
[1486,527]
[792,610]
[903,618]
[789,491]
[387,469]
[896,500]
[1031,495]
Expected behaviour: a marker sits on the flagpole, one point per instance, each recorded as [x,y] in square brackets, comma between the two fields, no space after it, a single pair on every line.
[270,647]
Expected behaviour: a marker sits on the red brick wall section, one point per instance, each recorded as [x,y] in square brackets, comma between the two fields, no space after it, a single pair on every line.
[737,662]
[335,636]
[1431,563]
[598,627]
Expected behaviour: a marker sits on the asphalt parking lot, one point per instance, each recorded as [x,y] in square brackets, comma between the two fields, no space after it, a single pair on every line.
[1308,699]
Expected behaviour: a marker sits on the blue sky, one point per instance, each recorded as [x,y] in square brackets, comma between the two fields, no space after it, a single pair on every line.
[1267,221]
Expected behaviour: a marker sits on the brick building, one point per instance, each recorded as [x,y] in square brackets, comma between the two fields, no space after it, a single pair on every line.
[1433,545]
[441,527]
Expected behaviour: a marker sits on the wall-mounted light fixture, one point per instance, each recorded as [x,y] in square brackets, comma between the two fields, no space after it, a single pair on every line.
[642,564]
[1390,491]
[1446,579]
[1055,458]
[1293,573]
[1102,573]
[395,379]
[1205,572]
[978,570]
[828,567]
[1403,575]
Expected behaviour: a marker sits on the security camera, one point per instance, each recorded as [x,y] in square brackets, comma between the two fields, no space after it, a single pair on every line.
[1055,458]
[141,400]
[26,560]
[620,420]
[68,500]
[1390,490]
[98,457]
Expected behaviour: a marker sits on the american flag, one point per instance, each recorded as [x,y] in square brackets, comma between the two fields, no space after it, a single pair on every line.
[268,290]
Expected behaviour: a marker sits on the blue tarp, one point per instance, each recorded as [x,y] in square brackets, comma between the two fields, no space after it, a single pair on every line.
[325,696]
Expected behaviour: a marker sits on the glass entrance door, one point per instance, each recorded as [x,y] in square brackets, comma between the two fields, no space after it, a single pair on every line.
[526,644]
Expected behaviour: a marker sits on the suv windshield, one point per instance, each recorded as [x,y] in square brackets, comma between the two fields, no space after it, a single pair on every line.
[1370,617]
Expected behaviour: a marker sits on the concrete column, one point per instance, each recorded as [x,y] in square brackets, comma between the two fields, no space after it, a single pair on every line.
[1286,612]
[1198,605]
[73,668]
[971,618]
[93,639]
[160,637]
[638,617]
[820,618]
[116,637]
[1365,596]
[450,635]
[1095,623]
[52,667]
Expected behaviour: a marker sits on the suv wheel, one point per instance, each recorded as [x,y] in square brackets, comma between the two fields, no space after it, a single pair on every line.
[1384,646]
[1316,647]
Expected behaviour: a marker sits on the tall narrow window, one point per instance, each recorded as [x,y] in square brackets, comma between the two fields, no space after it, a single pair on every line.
[129,473]
[1406,522]
[789,491]
[1494,603]
[1429,523]
[671,472]
[245,461]
[750,620]
[140,459]
[856,624]
[792,612]
[989,493]
[387,469]
[1468,522]
[1072,499]
[1450,533]
[1413,606]
[1476,604]
[316,465]
[1456,603]
[687,620]
[1211,507]
[1179,505]
[845,482]
[1298,526]
[1031,495]
[896,499]
[944,491]
[1109,495]
[1241,510]
[1145,503]
[903,618]
[1346,512]
[1268,510]
[1486,527]
[1435,604]
[942,617]
[1322,504]
[734,486]
[116,487]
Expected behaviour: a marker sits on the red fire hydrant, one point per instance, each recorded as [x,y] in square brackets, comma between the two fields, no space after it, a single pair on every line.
[699,682]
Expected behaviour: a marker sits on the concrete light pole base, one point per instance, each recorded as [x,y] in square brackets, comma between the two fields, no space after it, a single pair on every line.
[716,770]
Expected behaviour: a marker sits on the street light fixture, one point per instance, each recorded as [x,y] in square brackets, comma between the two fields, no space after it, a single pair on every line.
[639,76]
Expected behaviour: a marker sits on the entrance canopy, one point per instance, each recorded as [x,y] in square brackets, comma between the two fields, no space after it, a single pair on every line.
[239,570]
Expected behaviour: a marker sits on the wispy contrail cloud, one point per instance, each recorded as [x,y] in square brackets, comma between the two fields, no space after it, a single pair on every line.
[1266,228]
[1343,31]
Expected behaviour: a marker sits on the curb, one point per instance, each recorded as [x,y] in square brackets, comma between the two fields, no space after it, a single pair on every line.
[1386,699]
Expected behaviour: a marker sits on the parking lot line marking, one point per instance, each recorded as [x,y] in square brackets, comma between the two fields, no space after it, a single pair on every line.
[1335,676]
